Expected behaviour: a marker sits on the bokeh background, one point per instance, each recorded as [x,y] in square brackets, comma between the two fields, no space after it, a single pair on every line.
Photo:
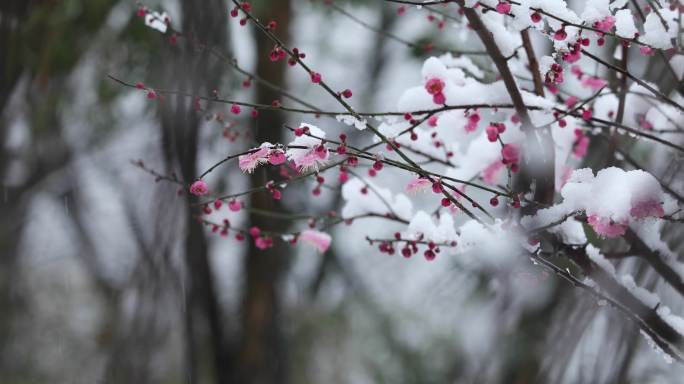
[105,276]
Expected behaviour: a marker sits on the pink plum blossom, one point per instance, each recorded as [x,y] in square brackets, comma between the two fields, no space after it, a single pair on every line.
[647,208]
[645,124]
[510,154]
[439,98]
[492,171]
[263,243]
[249,162]
[646,51]
[418,185]
[572,57]
[581,145]
[577,71]
[492,133]
[503,7]
[560,35]
[234,206]
[473,119]
[594,83]
[606,227]
[199,188]
[434,86]
[319,240]
[277,157]
[313,158]
[308,151]
[571,101]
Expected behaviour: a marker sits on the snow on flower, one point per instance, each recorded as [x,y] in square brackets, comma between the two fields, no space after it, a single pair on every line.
[422,224]
[655,34]
[489,246]
[647,208]
[351,120]
[606,227]
[319,240]
[613,200]
[624,24]
[315,153]
[595,11]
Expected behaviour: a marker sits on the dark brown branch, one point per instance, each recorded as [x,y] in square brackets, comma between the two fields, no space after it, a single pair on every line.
[533,62]
[621,107]
[538,142]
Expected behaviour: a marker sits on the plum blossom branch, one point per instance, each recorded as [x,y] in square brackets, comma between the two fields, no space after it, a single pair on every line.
[340,100]
[634,131]
[644,84]
[398,39]
[158,176]
[213,99]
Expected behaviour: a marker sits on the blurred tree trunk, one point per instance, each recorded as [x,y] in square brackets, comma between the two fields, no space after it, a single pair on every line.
[10,229]
[44,60]
[194,71]
[49,152]
[262,355]
[377,55]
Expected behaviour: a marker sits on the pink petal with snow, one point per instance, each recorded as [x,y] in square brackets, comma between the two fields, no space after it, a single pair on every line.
[250,161]
[492,171]
[319,240]
[647,208]
[418,185]
[606,227]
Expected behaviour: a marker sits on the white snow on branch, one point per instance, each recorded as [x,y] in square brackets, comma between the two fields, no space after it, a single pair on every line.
[156,20]
[374,200]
